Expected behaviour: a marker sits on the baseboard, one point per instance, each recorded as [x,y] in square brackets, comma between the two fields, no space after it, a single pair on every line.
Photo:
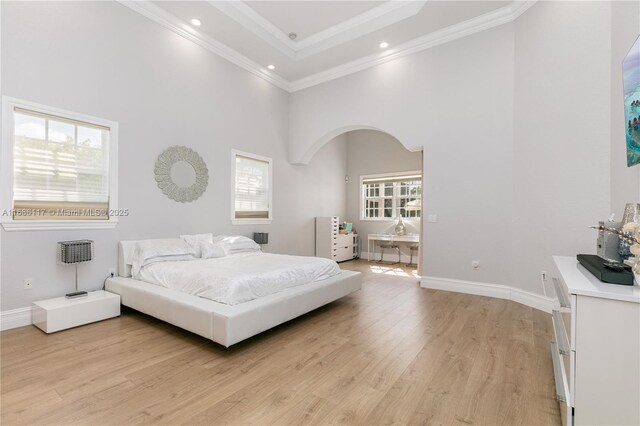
[536,301]
[15,318]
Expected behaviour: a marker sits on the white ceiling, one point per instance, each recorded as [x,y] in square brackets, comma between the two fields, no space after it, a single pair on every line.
[309,17]
[334,38]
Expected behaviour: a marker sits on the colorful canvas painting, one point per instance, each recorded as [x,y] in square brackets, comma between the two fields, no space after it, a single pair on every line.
[631,81]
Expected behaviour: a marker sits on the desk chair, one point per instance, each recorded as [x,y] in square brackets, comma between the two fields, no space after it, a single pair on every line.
[412,248]
[388,245]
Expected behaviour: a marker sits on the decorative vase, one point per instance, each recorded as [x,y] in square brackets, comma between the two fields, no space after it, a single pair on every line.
[624,248]
[631,214]
[400,229]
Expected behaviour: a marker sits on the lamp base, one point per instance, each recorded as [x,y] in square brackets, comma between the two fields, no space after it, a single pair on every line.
[76,294]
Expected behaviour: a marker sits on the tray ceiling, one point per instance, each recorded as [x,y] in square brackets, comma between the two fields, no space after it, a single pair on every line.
[333,38]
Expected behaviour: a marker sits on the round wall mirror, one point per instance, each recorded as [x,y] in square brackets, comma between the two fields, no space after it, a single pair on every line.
[181,174]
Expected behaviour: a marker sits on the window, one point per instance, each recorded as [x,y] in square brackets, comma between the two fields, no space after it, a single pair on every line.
[59,168]
[385,197]
[251,196]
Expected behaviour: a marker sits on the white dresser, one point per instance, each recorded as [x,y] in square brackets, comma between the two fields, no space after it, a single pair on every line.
[596,352]
[330,243]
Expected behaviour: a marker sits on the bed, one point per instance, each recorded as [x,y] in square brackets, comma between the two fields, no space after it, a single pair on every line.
[226,324]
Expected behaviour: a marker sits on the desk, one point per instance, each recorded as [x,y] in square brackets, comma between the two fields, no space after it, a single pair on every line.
[372,238]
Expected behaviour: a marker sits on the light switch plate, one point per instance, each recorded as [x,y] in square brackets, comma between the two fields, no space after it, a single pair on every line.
[432,218]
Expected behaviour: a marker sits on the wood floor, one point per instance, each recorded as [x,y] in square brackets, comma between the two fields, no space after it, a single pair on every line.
[391,353]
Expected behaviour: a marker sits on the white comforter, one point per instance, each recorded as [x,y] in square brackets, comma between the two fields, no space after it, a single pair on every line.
[240,277]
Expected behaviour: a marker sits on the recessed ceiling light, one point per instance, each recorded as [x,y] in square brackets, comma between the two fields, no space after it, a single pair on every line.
[384,45]
[271,67]
[196,22]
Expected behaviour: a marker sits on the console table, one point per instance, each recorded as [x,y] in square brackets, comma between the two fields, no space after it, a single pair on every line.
[372,238]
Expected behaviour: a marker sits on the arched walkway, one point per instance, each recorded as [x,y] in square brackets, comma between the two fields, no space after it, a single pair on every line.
[309,153]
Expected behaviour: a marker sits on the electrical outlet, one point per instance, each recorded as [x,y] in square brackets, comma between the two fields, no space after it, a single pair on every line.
[112,272]
[475,264]
[543,274]
[28,283]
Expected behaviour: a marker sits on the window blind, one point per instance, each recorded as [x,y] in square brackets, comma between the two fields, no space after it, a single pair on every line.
[60,168]
[251,188]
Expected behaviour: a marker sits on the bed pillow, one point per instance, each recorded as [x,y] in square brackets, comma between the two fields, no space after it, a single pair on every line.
[147,252]
[235,244]
[211,250]
[196,240]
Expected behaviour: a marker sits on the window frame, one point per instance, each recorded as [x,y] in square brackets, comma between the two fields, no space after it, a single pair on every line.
[395,196]
[250,221]
[9,105]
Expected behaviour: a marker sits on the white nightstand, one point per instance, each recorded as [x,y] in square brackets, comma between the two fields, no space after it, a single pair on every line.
[57,314]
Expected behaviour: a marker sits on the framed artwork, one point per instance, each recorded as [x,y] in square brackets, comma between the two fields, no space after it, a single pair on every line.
[631,84]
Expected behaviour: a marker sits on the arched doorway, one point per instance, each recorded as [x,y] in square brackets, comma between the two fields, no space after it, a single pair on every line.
[384,187]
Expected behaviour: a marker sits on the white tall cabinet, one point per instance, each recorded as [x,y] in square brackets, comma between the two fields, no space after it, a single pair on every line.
[331,244]
[596,352]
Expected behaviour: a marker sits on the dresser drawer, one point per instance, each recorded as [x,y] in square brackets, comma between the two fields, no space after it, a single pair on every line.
[344,239]
[566,306]
[562,293]
[560,333]
[562,385]
[345,253]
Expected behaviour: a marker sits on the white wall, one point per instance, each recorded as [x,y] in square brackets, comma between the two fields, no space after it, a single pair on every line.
[562,133]
[516,128]
[372,152]
[102,59]
[625,181]
[456,100]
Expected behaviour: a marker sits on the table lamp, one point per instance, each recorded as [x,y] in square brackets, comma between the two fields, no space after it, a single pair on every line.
[74,252]
[261,238]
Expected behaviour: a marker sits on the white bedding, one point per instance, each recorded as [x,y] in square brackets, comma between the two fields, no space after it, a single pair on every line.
[238,278]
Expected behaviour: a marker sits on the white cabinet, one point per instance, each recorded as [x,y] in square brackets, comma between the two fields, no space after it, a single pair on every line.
[331,244]
[60,313]
[596,350]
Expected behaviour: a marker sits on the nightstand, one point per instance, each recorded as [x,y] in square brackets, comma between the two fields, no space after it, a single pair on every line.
[60,313]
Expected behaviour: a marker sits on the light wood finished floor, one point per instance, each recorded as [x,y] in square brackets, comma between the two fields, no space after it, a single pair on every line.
[391,353]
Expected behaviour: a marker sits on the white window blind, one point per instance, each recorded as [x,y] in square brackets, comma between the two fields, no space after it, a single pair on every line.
[252,180]
[60,168]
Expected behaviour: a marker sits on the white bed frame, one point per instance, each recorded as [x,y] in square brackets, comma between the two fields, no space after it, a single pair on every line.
[224,324]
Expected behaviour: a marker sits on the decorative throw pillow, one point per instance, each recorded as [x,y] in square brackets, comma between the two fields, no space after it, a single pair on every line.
[211,250]
[236,244]
[196,240]
[147,252]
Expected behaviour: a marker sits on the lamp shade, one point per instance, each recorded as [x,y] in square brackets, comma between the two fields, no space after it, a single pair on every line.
[261,237]
[415,205]
[75,251]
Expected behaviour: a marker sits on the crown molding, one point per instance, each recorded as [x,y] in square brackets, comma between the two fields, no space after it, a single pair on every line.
[519,7]
[251,20]
[372,20]
[179,27]
[472,26]
[483,22]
